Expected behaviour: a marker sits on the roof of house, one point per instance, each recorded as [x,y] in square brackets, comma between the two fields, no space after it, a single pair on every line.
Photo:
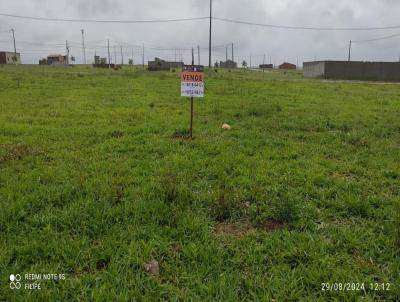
[10,52]
[55,55]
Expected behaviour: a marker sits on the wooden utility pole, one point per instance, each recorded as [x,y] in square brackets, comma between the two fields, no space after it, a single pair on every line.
[233,58]
[109,58]
[210,39]
[143,55]
[122,57]
[83,47]
[15,47]
[264,64]
[226,54]
[349,51]
[67,50]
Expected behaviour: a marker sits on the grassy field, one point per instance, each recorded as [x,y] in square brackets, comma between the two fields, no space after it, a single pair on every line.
[96,181]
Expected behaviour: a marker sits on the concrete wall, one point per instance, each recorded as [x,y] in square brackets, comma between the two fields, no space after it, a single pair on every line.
[159,65]
[228,64]
[373,71]
[266,66]
[8,58]
[314,69]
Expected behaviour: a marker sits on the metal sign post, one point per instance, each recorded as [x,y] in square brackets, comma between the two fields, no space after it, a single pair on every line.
[191,105]
[192,85]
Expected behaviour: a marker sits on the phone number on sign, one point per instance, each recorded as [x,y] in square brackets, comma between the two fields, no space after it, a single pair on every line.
[355,286]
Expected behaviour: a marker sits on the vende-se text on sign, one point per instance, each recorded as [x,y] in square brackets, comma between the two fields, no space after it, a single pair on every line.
[192,81]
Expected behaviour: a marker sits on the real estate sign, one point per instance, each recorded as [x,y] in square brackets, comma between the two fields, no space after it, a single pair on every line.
[192,81]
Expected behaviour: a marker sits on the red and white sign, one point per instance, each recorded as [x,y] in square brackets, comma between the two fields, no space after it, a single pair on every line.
[192,81]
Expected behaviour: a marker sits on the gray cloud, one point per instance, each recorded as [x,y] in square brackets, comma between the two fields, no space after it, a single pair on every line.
[249,40]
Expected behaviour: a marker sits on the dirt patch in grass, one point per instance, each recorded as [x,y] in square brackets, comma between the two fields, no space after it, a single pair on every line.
[272,226]
[14,152]
[181,134]
[242,230]
[236,230]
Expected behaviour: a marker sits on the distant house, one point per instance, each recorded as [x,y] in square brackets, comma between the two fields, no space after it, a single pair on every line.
[100,62]
[7,57]
[287,66]
[266,66]
[228,64]
[159,65]
[54,59]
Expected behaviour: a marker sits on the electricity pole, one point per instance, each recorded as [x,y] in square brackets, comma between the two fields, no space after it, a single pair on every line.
[350,51]
[232,54]
[67,49]
[83,47]
[109,58]
[198,54]
[115,56]
[15,47]
[209,44]
[226,54]
[122,57]
[143,56]
[263,64]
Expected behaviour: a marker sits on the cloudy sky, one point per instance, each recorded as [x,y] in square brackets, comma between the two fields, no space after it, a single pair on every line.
[35,39]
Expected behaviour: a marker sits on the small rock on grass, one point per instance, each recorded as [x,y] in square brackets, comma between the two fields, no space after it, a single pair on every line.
[152,267]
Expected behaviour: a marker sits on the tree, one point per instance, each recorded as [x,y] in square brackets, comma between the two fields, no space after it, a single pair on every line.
[130,62]
[244,64]
[216,65]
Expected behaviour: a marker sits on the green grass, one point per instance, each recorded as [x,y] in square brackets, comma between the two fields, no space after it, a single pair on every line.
[96,180]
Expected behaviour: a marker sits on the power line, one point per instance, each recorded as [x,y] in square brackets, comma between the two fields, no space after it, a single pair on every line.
[34,43]
[306,27]
[101,21]
[201,18]
[377,39]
